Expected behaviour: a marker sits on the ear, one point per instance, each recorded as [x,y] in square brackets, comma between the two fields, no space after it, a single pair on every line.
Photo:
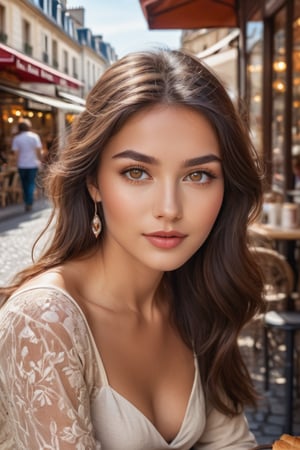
[93,191]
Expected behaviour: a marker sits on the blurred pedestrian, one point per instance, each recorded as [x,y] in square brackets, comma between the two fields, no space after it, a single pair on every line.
[123,335]
[28,148]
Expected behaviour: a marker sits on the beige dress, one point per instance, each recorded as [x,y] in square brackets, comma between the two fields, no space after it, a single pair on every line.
[54,392]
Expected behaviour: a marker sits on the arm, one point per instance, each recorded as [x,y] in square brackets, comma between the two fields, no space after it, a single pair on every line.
[39,148]
[39,153]
[43,381]
[225,433]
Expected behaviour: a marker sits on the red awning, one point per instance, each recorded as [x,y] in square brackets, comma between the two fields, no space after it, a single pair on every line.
[190,14]
[28,69]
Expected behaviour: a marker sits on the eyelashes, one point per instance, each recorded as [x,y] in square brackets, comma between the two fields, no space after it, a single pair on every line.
[200,176]
[138,174]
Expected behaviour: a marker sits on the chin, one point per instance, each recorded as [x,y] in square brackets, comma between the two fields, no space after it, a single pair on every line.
[170,266]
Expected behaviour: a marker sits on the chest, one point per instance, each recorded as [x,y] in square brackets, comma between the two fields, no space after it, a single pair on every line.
[149,366]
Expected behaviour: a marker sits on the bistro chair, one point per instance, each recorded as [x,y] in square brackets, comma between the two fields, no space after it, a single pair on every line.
[278,280]
[257,240]
[4,190]
[289,323]
[278,287]
[14,189]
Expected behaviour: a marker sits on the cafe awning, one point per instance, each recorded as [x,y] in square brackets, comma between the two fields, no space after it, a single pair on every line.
[190,14]
[71,98]
[44,100]
[29,69]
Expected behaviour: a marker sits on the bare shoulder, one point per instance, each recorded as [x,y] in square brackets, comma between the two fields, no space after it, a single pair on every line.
[59,277]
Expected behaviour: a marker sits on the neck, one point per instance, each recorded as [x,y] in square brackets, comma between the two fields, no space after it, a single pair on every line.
[124,288]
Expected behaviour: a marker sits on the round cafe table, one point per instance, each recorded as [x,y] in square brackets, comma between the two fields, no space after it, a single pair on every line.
[285,242]
[276,233]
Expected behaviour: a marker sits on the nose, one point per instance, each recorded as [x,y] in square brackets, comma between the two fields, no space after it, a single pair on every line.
[167,202]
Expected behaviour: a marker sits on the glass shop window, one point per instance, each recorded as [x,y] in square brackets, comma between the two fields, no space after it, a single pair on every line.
[278,100]
[296,93]
[254,41]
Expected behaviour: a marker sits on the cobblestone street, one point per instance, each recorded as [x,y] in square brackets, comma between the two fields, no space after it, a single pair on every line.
[18,233]
[267,422]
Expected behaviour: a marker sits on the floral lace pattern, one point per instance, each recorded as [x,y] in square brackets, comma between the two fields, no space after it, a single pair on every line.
[50,381]
[48,370]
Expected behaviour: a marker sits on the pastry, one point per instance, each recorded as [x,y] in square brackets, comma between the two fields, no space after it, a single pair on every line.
[287,442]
[292,440]
[282,445]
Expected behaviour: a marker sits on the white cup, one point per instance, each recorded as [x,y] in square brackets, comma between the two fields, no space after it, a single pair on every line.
[290,215]
[274,214]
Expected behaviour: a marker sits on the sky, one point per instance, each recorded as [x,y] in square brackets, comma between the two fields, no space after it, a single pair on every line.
[123,25]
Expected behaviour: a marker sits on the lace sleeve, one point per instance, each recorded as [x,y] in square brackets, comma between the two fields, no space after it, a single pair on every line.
[44,375]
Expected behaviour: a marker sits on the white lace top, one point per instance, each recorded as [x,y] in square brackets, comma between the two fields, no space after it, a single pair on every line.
[54,392]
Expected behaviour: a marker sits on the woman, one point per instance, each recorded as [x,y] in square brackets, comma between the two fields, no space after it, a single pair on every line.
[123,335]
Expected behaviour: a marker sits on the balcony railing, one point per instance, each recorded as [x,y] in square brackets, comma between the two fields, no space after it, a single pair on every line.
[27,49]
[45,57]
[3,37]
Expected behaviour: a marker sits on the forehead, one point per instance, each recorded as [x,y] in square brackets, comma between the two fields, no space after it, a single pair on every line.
[166,131]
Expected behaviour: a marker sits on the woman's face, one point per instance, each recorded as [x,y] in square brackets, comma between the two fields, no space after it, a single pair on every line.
[161,186]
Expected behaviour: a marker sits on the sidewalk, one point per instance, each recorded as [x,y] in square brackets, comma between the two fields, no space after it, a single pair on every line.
[10,211]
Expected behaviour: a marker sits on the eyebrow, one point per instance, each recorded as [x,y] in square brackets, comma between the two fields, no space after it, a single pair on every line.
[137,156]
[201,160]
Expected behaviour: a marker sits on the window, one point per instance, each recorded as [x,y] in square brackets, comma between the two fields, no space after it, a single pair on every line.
[278,100]
[89,75]
[66,61]
[47,6]
[45,55]
[296,82]
[254,80]
[3,35]
[93,74]
[27,38]
[54,54]
[74,67]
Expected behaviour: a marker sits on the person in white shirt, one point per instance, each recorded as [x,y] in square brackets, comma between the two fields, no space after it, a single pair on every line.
[28,147]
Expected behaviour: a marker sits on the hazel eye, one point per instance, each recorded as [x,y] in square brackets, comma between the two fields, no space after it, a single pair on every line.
[136,174]
[196,176]
[199,176]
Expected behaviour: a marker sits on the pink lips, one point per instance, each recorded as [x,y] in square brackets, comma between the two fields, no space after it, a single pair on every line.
[165,239]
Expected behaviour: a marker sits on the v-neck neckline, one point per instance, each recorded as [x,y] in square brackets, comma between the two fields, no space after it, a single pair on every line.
[103,373]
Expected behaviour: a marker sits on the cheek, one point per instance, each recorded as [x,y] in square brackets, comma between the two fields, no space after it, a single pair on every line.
[207,212]
[216,205]
[118,205]
[208,203]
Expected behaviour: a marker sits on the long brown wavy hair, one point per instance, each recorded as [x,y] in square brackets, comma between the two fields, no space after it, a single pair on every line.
[219,289]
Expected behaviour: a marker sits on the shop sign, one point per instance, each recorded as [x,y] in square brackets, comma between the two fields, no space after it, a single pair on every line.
[33,71]
[38,72]
[37,106]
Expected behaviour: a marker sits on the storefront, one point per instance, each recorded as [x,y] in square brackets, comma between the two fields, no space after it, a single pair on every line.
[33,90]
[272,35]
[268,70]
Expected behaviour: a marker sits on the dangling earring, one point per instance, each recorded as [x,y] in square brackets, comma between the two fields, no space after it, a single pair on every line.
[96,223]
